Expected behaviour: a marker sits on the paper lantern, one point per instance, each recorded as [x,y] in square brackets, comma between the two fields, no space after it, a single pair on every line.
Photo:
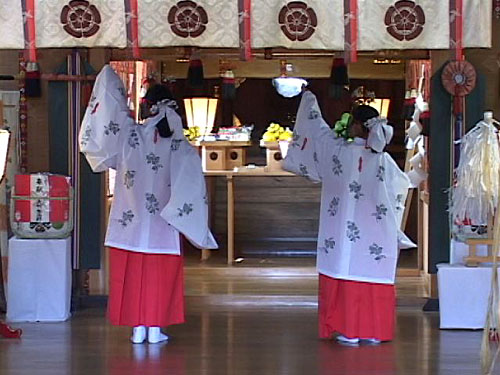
[201,112]
[381,105]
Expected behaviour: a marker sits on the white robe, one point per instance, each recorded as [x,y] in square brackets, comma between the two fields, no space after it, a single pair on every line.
[362,199]
[159,188]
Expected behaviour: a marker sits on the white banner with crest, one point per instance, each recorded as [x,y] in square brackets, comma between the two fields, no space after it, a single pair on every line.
[309,24]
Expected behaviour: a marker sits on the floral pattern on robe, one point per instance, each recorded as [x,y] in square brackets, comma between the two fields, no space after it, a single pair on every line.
[156,176]
[362,200]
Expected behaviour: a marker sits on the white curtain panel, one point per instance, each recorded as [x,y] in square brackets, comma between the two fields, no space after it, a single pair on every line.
[11,24]
[203,23]
[315,24]
[477,23]
[389,24]
[310,24]
[95,23]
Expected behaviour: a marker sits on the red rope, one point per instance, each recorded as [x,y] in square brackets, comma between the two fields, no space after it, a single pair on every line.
[351,30]
[132,27]
[457,28]
[136,52]
[28,7]
[459,25]
[354,30]
[245,25]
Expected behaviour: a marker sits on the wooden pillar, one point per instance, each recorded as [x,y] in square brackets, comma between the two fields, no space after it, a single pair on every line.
[439,179]
[230,220]
[3,304]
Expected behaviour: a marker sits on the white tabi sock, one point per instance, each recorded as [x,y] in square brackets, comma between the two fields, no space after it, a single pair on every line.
[138,335]
[346,340]
[370,341]
[155,335]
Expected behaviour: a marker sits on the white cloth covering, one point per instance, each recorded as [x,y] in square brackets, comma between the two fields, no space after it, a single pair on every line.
[362,199]
[39,287]
[460,250]
[159,188]
[463,295]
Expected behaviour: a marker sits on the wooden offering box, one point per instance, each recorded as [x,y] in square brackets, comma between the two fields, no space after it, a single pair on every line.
[273,156]
[222,155]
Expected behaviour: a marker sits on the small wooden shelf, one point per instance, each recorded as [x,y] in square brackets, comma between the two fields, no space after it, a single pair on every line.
[473,259]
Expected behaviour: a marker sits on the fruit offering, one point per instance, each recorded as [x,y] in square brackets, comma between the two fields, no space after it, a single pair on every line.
[192,133]
[275,132]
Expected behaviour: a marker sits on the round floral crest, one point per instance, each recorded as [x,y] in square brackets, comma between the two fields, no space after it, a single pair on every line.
[405,20]
[80,19]
[187,19]
[298,21]
[459,78]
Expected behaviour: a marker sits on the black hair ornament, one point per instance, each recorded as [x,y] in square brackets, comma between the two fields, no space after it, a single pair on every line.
[164,128]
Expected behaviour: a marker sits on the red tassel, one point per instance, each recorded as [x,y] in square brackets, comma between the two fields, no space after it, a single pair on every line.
[195,71]
[493,335]
[339,78]
[33,84]
[228,85]
[8,332]
[425,121]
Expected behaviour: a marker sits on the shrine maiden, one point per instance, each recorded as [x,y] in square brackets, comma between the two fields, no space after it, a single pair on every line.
[362,200]
[159,193]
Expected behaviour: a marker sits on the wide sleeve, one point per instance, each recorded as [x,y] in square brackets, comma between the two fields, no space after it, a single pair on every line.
[311,135]
[397,184]
[187,209]
[106,122]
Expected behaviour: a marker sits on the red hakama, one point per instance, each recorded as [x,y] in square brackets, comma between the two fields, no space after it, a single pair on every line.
[356,309]
[145,289]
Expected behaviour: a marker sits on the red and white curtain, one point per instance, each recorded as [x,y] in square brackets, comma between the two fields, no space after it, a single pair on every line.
[308,24]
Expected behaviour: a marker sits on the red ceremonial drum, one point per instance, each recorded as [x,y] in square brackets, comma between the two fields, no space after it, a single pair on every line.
[41,206]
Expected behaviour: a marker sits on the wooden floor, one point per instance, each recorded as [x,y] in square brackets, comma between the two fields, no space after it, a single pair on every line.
[245,320]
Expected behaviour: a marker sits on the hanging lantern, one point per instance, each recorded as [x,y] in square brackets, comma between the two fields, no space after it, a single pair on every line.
[200,112]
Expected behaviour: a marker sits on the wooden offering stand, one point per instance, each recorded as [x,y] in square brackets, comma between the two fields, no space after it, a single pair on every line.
[273,156]
[222,155]
[473,260]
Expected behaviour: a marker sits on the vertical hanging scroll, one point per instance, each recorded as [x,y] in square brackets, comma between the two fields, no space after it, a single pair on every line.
[351,30]
[244,22]
[132,23]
